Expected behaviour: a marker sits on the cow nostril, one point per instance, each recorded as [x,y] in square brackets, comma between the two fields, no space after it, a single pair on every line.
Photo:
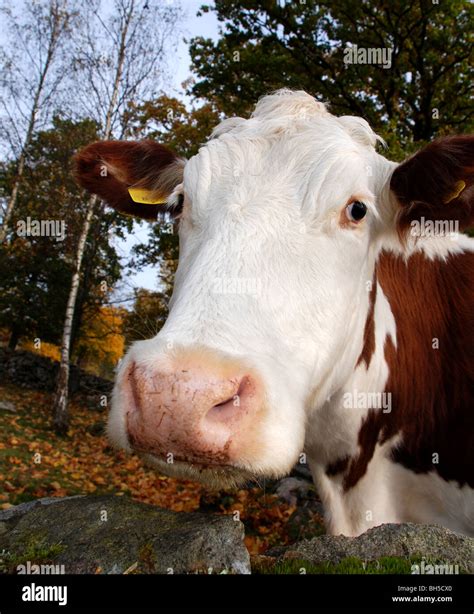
[223,412]
[198,415]
[229,409]
[134,386]
[232,398]
[245,383]
[236,396]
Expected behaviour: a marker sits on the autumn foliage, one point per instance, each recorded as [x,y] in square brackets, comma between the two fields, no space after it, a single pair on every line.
[33,464]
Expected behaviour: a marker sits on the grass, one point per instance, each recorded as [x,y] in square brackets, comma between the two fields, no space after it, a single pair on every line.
[349,565]
[35,552]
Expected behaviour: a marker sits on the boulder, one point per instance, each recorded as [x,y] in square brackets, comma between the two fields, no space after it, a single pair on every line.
[113,534]
[430,542]
[307,520]
[301,470]
[292,490]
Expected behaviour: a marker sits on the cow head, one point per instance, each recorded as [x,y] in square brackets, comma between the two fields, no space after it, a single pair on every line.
[281,220]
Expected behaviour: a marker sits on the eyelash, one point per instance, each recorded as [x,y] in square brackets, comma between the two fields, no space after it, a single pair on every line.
[176,209]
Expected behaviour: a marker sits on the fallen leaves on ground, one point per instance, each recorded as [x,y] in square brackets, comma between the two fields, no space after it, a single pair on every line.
[35,463]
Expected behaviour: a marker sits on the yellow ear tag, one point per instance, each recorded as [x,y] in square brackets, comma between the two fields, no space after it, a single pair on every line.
[145,197]
[458,188]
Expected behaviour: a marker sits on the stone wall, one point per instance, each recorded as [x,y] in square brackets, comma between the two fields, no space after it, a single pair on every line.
[30,370]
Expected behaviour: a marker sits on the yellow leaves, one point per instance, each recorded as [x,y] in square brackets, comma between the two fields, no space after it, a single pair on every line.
[56,460]
[101,340]
[5,506]
[45,349]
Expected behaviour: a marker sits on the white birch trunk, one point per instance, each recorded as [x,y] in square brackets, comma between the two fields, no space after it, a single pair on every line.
[60,408]
[61,419]
[52,45]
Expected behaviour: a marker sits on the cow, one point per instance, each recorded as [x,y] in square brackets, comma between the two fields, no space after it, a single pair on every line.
[322,310]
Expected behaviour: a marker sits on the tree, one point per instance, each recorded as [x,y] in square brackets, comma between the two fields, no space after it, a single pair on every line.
[38,30]
[168,121]
[101,341]
[264,45]
[148,315]
[117,59]
[34,270]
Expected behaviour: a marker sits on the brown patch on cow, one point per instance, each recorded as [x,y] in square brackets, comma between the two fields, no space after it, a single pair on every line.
[432,389]
[109,168]
[424,185]
[368,348]
[338,466]
[367,440]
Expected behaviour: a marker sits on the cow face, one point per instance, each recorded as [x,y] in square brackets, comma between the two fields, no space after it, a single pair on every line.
[280,218]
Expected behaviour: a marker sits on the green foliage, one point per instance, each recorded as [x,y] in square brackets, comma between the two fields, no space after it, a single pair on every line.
[265,45]
[162,251]
[168,121]
[35,271]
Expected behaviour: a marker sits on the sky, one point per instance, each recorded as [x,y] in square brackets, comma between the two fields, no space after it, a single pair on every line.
[180,69]
[206,26]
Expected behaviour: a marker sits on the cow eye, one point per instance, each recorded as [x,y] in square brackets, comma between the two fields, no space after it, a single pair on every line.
[356,211]
[176,208]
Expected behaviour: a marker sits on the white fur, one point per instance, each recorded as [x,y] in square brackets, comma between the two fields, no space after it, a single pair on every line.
[265,199]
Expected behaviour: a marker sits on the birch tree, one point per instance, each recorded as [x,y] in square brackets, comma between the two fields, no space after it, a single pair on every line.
[119,58]
[32,69]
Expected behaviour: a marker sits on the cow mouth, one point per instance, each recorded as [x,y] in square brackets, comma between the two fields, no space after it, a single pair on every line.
[212,474]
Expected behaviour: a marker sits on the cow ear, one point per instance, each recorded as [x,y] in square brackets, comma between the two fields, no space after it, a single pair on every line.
[133,177]
[437,183]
